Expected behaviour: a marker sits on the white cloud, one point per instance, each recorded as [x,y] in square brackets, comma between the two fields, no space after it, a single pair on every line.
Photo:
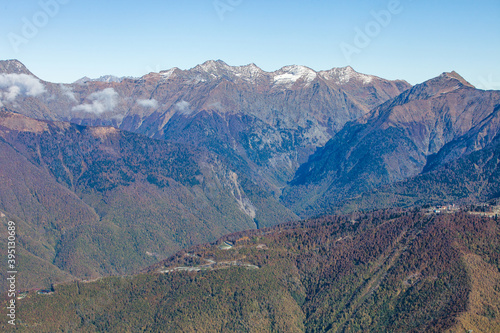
[183,107]
[118,117]
[68,92]
[13,85]
[102,101]
[148,103]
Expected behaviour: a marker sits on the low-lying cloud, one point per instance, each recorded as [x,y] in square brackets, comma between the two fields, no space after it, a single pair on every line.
[183,107]
[68,92]
[13,85]
[102,101]
[148,103]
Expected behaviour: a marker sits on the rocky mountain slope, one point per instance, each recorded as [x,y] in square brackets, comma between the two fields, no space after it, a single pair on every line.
[103,201]
[271,120]
[420,130]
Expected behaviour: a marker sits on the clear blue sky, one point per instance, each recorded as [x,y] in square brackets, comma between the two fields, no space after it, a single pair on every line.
[131,38]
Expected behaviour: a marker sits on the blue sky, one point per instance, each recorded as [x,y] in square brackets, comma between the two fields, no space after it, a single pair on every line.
[412,40]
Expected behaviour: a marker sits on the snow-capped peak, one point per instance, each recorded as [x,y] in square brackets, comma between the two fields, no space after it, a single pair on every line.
[104,78]
[16,63]
[169,73]
[218,68]
[248,73]
[344,75]
[13,66]
[212,66]
[283,78]
[288,75]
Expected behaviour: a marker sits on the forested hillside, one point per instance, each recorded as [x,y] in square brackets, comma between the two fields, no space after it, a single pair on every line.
[93,201]
[391,271]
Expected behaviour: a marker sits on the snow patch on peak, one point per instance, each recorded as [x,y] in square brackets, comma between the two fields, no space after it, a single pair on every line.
[168,73]
[252,67]
[112,78]
[248,73]
[17,64]
[218,68]
[249,69]
[13,67]
[104,78]
[211,66]
[344,75]
[288,75]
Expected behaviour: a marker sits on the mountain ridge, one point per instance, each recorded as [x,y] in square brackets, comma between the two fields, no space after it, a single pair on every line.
[297,108]
[12,66]
[438,120]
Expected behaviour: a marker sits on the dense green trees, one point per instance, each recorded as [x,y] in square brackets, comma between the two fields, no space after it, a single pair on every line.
[393,270]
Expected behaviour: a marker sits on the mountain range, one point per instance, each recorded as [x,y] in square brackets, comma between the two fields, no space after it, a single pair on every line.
[271,120]
[110,175]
